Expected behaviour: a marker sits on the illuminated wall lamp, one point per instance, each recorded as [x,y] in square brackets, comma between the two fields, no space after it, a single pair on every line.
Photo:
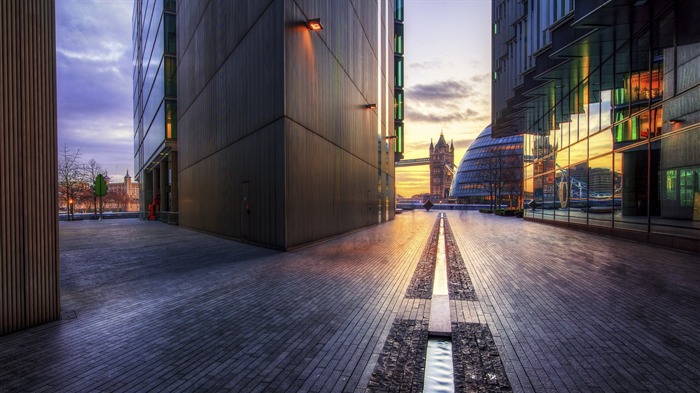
[371,106]
[314,24]
[676,121]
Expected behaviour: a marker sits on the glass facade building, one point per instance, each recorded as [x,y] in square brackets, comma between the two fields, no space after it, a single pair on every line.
[490,171]
[609,108]
[398,79]
[155,107]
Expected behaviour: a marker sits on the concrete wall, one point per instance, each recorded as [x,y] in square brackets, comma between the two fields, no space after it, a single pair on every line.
[268,106]
[29,270]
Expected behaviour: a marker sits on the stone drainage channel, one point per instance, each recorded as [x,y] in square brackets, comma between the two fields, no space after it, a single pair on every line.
[438,360]
[434,354]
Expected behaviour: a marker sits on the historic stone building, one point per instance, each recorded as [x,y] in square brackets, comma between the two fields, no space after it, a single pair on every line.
[123,196]
[442,158]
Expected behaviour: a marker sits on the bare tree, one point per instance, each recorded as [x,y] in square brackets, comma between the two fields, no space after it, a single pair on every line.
[91,170]
[500,175]
[70,177]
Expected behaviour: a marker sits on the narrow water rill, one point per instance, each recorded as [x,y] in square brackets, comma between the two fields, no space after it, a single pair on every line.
[438,366]
[438,362]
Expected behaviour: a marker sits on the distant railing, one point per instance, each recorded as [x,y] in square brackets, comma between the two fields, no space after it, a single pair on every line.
[91,216]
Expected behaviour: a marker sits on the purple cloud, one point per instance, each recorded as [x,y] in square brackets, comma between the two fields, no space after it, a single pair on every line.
[94,81]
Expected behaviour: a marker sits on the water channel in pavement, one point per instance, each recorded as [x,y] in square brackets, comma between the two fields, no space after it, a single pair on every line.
[438,361]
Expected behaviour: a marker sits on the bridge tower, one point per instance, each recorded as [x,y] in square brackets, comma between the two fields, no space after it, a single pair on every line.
[442,158]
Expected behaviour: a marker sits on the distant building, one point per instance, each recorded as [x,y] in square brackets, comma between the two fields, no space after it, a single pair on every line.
[122,196]
[442,159]
[29,268]
[155,107]
[490,171]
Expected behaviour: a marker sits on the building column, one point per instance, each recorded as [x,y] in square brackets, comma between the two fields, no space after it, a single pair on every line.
[173,182]
[157,192]
[146,192]
[164,198]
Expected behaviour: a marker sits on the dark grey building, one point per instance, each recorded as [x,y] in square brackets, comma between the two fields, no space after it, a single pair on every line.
[606,96]
[282,130]
[29,271]
[155,108]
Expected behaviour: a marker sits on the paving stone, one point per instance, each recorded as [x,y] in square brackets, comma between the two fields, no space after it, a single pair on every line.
[164,307]
[421,286]
[459,284]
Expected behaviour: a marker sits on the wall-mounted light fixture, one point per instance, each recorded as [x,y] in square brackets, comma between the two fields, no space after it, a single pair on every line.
[676,121]
[314,24]
[371,106]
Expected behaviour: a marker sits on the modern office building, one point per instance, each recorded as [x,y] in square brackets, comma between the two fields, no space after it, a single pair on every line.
[398,79]
[155,107]
[490,171]
[442,162]
[29,269]
[282,106]
[607,97]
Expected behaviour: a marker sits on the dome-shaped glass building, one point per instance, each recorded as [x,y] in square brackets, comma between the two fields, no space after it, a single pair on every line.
[490,171]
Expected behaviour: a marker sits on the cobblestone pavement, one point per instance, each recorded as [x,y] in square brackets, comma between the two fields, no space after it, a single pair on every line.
[149,306]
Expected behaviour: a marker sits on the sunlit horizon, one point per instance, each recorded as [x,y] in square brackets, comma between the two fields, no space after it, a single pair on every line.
[447,83]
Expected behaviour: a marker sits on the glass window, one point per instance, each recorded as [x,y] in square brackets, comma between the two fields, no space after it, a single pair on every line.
[562,158]
[578,192]
[600,143]
[170,42]
[170,119]
[170,77]
[398,105]
[578,152]
[687,187]
[398,9]
[398,71]
[398,37]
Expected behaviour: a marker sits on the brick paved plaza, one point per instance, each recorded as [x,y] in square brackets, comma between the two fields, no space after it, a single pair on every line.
[148,306]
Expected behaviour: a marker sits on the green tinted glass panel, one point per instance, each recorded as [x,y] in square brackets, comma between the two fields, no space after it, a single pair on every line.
[670,185]
[687,187]
[398,9]
[398,71]
[398,130]
[398,105]
[398,38]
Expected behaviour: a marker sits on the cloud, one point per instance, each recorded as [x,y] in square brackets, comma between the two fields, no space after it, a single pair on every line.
[480,77]
[426,65]
[440,91]
[94,81]
[469,114]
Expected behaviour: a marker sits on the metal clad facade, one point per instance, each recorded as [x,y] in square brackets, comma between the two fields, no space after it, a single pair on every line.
[277,143]
[29,269]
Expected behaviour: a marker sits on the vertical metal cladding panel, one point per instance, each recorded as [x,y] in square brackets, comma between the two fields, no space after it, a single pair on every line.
[230,119]
[29,274]
[330,135]
[328,190]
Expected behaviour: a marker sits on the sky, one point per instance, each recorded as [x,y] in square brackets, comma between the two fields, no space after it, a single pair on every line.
[447,85]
